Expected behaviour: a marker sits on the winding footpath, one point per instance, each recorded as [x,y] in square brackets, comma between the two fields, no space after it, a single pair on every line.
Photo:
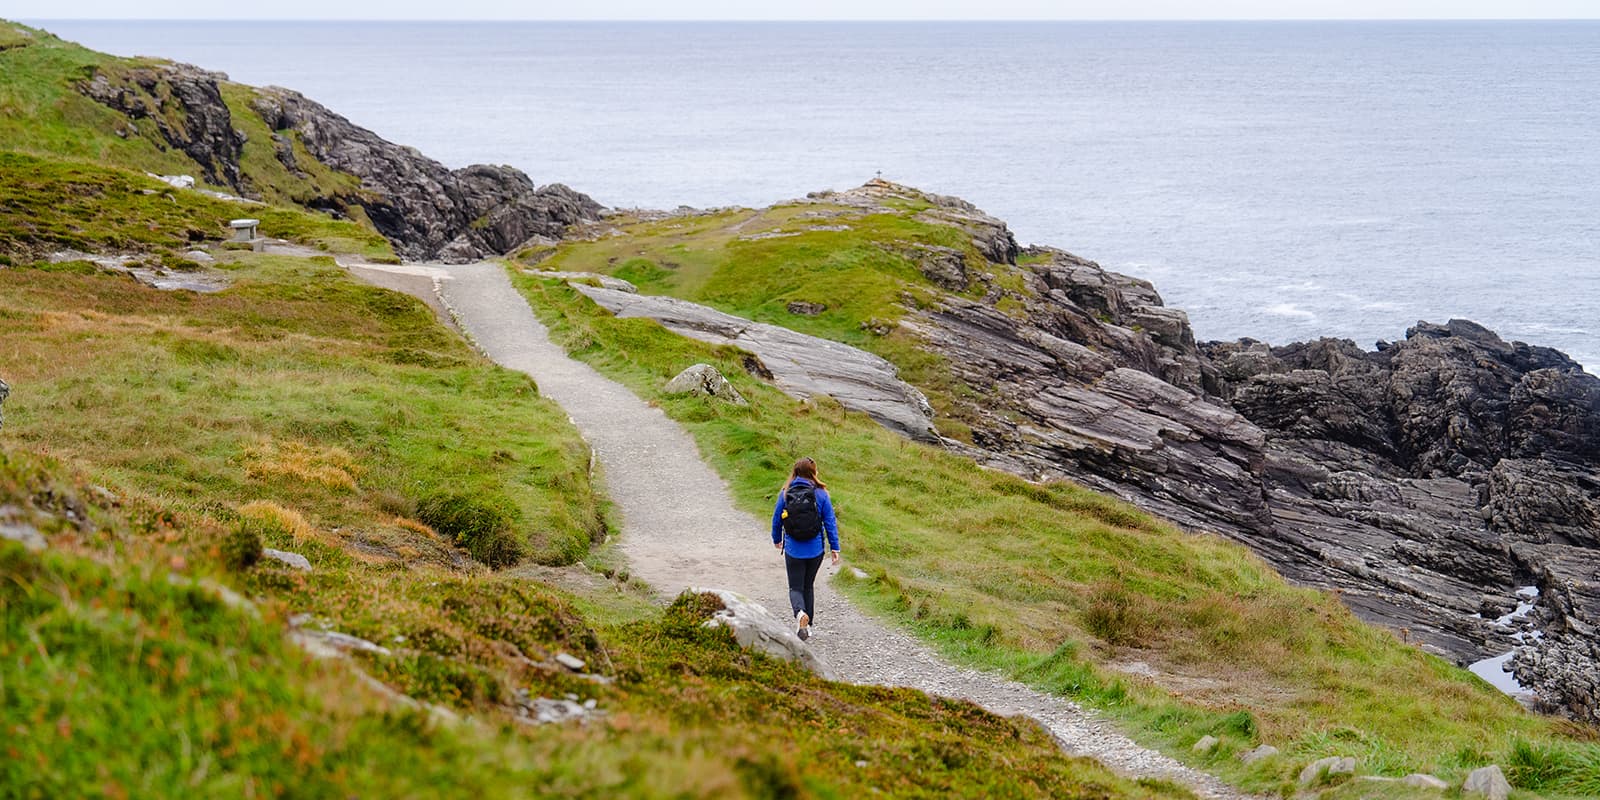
[680,527]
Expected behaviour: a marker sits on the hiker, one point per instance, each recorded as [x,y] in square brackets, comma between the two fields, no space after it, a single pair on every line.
[803,514]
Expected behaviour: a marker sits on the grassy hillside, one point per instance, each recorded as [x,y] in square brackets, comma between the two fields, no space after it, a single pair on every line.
[124,676]
[1077,593]
[44,113]
[157,440]
[41,112]
[48,204]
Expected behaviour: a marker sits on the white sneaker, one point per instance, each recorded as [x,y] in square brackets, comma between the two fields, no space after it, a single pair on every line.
[805,625]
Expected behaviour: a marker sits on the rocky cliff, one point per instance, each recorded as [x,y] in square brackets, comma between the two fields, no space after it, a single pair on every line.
[1426,480]
[427,210]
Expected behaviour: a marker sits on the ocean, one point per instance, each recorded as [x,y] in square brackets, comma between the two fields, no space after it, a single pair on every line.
[1275,180]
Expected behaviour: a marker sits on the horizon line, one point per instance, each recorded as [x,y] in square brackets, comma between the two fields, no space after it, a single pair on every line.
[966,20]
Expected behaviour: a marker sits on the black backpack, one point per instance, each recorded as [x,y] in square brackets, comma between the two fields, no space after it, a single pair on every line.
[801,519]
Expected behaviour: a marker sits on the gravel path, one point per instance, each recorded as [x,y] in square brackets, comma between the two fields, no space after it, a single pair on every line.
[681,529]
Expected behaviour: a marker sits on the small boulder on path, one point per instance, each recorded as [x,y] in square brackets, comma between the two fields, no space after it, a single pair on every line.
[755,627]
[705,379]
[1487,782]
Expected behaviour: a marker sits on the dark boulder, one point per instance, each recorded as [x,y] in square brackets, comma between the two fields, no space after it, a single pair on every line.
[426,209]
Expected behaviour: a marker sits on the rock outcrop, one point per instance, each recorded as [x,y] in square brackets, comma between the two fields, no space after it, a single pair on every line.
[428,211]
[1425,480]
[184,106]
[801,365]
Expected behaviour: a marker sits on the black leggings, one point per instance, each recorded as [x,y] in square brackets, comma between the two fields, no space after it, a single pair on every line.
[803,583]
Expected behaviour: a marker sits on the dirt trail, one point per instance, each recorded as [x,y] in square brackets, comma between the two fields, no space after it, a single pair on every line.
[681,528]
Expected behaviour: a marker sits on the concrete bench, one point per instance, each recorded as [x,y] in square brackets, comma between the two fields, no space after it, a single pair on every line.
[244,230]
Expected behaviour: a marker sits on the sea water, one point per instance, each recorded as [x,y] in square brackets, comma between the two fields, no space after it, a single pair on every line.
[1275,180]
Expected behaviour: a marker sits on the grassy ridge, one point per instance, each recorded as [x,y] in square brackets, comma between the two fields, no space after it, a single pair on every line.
[1058,586]
[314,414]
[860,264]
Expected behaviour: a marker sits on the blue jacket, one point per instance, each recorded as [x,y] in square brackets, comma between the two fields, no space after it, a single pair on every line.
[807,548]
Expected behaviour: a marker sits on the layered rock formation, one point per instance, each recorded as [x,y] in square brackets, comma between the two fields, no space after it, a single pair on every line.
[1425,480]
[428,211]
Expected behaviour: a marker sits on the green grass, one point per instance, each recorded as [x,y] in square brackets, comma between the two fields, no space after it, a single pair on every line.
[1055,585]
[146,430]
[298,386]
[48,204]
[43,114]
[864,274]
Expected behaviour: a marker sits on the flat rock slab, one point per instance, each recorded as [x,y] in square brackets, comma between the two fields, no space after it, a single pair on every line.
[204,281]
[802,366]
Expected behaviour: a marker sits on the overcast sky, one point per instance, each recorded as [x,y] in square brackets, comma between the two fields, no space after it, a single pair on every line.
[801,9]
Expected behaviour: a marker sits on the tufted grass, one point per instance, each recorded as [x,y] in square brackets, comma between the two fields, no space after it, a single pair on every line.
[1060,587]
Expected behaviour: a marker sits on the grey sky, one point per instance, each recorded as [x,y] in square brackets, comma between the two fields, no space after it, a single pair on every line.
[809,9]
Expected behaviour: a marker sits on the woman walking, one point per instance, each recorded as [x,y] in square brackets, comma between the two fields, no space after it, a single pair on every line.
[803,514]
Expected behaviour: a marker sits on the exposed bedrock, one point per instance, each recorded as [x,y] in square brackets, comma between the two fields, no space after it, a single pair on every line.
[801,365]
[428,211]
[1425,480]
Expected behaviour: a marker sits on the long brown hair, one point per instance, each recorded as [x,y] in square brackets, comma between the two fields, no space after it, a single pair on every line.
[805,468]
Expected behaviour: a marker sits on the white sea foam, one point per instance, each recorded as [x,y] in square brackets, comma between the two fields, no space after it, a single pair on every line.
[1289,310]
